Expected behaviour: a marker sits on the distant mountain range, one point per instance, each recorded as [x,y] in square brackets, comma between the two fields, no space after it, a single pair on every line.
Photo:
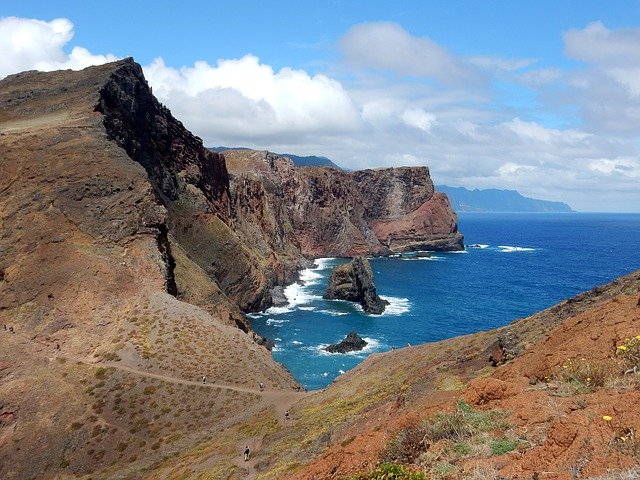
[494,200]
[299,161]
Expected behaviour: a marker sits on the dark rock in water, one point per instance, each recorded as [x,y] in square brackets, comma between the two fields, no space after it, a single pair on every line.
[353,281]
[351,343]
[278,298]
[423,254]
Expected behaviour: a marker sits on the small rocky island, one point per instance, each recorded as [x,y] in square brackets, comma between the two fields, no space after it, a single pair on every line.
[351,343]
[353,281]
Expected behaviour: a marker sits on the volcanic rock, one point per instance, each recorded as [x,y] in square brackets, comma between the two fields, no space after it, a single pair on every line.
[351,343]
[353,281]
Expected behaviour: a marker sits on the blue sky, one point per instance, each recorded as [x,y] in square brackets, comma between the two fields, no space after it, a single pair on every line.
[542,97]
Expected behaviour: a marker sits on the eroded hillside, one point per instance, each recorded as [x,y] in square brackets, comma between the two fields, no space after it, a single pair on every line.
[128,254]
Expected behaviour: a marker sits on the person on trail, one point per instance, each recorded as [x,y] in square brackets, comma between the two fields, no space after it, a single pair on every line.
[246,453]
[204,379]
[261,386]
[287,415]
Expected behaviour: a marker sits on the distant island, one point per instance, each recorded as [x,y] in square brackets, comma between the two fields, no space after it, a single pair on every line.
[494,200]
[298,161]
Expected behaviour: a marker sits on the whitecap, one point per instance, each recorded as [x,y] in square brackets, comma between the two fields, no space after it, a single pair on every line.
[333,312]
[296,342]
[276,321]
[308,309]
[477,245]
[341,371]
[510,249]
[397,305]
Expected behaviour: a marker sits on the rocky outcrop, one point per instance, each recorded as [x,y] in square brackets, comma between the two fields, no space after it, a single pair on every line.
[351,343]
[353,281]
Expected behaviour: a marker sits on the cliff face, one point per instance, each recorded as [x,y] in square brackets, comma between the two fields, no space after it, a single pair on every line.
[327,212]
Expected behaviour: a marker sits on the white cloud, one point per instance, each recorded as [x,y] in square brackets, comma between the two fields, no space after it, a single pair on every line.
[461,131]
[501,64]
[418,118]
[237,100]
[27,44]
[598,45]
[388,46]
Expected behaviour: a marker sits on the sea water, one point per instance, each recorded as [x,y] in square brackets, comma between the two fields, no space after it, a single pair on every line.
[513,266]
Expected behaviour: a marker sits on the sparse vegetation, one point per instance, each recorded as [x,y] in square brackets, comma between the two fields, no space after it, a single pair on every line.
[582,376]
[438,443]
[629,354]
[389,471]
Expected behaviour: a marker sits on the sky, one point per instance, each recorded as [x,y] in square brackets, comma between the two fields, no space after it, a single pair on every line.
[542,97]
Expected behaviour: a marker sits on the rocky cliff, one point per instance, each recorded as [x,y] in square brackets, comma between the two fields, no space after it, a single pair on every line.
[327,212]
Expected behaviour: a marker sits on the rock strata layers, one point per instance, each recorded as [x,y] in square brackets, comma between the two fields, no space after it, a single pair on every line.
[353,281]
[351,343]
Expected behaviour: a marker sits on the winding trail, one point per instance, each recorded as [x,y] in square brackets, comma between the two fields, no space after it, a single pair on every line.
[278,400]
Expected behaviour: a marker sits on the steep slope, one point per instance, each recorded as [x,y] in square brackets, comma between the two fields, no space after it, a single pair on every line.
[127,255]
[99,360]
[544,397]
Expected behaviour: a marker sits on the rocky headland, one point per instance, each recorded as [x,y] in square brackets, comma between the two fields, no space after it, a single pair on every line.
[353,282]
[129,254]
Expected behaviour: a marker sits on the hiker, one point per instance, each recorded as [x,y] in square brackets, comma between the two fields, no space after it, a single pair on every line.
[246,453]
[261,386]
[287,415]
[204,379]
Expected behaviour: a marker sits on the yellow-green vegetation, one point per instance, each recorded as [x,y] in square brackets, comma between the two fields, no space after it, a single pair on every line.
[581,376]
[281,471]
[450,383]
[389,471]
[261,424]
[629,354]
[439,443]
[319,420]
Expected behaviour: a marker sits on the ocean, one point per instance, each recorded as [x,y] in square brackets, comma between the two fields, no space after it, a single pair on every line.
[514,265]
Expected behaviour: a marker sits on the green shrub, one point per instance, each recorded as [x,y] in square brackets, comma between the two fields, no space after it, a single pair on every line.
[504,445]
[389,471]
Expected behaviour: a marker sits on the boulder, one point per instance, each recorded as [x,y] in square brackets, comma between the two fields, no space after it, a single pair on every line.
[353,281]
[351,343]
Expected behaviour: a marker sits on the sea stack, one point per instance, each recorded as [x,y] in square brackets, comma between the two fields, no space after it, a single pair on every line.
[353,281]
[351,343]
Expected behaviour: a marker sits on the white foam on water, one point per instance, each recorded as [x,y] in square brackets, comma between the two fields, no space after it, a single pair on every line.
[477,245]
[296,342]
[308,309]
[297,294]
[397,305]
[415,259]
[341,371]
[333,312]
[510,249]
[276,321]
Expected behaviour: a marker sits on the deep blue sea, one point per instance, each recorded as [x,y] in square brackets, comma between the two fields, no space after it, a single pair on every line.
[513,266]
